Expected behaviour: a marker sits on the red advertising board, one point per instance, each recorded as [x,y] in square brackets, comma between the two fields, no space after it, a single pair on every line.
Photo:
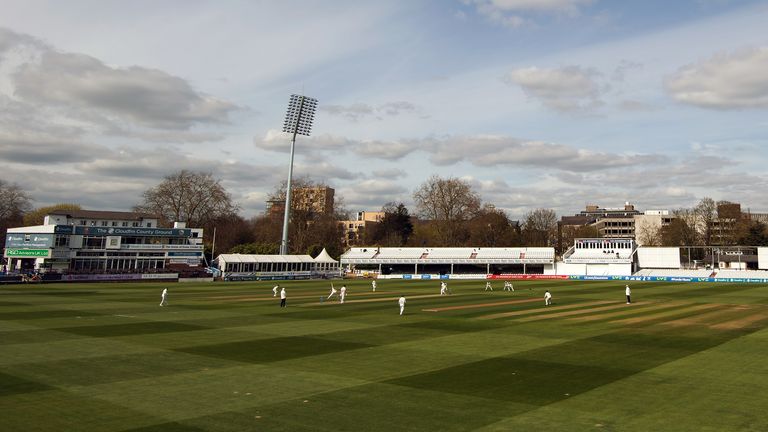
[525,276]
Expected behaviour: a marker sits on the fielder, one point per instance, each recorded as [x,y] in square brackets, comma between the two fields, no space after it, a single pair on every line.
[163,299]
[342,294]
[628,292]
[274,290]
[547,298]
[401,302]
[508,286]
[488,286]
[373,285]
[443,288]
[333,292]
[283,296]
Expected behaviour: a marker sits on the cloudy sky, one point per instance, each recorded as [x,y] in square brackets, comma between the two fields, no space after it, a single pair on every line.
[537,103]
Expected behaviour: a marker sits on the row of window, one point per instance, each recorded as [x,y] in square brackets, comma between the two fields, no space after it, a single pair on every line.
[121,254]
[116,264]
[268,267]
[103,223]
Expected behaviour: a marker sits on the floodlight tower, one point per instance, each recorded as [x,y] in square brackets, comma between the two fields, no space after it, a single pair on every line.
[298,121]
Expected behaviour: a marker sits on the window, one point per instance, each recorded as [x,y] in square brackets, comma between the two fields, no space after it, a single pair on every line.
[103,223]
[114,223]
[82,222]
[149,224]
[125,224]
[135,224]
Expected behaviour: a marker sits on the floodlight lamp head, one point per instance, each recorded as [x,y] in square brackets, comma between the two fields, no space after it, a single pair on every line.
[298,118]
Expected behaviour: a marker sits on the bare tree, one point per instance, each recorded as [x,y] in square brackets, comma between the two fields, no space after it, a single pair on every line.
[681,231]
[705,213]
[570,233]
[14,203]
[491,227]
[540,227]
[194,197]
[650,234]
[448,203]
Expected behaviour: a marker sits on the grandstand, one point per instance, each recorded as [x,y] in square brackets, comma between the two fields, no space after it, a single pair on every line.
[604,257]
[449,261]
[598,257]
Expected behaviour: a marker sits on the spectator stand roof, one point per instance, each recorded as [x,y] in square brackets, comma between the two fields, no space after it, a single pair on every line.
[467,255]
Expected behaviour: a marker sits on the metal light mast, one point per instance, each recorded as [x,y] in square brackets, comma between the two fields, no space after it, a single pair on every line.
[298,121]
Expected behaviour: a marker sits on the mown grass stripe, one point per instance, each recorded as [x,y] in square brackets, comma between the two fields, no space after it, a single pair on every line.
[741,323]
[634,311]
[578,312]
[481,305]
[537,310]
[707,318]
[662,315]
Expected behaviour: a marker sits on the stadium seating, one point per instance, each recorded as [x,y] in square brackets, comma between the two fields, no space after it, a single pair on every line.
[539,253]
[358,253]
[400,253]
[513,253]
[449,253]
[746,274]
[674,273]
[601,254]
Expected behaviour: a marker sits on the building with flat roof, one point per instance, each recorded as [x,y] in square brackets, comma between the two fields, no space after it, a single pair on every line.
[318,199]
[354,229]
[88,241]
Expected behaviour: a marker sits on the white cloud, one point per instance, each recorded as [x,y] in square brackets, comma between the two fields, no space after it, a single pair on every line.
[565,89]
[374,193]
[359,111]
[726,81]
[137,95]
[388,150]
[509,13]
[487,151]
[278,141]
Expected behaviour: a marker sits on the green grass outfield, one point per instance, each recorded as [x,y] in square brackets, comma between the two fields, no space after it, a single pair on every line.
[225,357]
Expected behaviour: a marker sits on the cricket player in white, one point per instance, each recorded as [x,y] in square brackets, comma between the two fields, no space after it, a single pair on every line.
[373,285]
[443,288]
[333,291]
[508,286]
[547,298]
[628,292]
[401,302]
[163,299]
[488,286]
[274,290]
[283,296]
[343,294]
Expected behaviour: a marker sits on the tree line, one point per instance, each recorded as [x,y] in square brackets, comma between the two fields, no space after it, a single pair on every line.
[447,212]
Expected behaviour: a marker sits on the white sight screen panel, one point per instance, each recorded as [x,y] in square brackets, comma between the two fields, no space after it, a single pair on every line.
[659,257]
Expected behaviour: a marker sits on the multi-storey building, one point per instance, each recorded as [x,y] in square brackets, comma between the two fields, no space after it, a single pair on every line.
[318,199]
[621,222]
[353,229]
[102,242]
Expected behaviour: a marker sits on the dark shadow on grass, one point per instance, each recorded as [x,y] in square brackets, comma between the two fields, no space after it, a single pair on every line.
[117,330]
[272,350]
[54,313]
[549,374]
[12,385]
